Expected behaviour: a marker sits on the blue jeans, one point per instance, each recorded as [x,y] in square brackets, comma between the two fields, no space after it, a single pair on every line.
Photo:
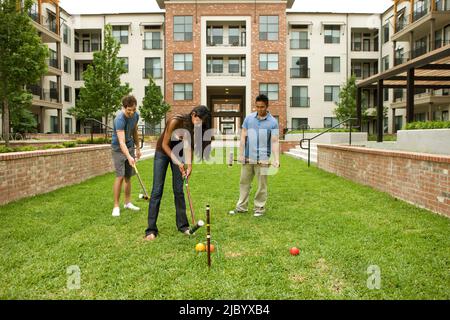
[160,165]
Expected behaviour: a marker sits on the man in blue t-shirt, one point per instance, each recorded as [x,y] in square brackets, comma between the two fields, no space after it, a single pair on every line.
[259,140]
[124,141]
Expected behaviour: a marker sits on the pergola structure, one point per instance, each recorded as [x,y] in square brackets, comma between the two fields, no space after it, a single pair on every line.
[429,71]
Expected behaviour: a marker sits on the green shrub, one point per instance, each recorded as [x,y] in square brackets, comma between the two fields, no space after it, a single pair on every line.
[69,144]
[25,148]
[4,149]
[94,141]
[428,125]
[52,146]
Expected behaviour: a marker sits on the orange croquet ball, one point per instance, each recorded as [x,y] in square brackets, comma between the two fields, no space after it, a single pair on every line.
[294,251]
[200,247]
[211,247]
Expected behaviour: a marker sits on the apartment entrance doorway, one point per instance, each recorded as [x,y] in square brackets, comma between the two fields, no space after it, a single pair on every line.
[227,109]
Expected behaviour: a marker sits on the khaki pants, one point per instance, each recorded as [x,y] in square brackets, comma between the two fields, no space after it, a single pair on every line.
[248,171]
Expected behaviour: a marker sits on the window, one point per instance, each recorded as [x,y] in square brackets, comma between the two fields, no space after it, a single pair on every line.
[182,91]
[182,61]
[214,65]
[268,28]
[398,94]
[386,94]
[332,34]
[233,65]
[67,65]
[329,122]
[68,125]
[53,59]
[120,33]
[331,93]
[215,35]
[299,123]
[233,35]
[182,28]
[66,34]
[51,20]
[53,90]
[300,96]
[67,94]
[420,117]
[95,42]
[153,68]
[54,124]
[332,64]
[270,90]
[268,61]
[299,67]
[152,40]
[386,33]
[398,123]
[125,63]
[385,63]
[299,40]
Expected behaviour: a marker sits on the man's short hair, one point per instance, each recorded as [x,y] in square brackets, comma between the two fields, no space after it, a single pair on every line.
[129,101]
[263,98]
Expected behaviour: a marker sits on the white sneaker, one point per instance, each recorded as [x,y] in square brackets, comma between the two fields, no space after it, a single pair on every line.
[116,212]
[131,207]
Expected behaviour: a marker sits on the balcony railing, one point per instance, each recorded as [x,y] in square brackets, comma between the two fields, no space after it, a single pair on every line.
[232,42]
[440,5]
[155,73]
[51,95]
[418,52]
[363,74]
[152,44]
[300,102]
[402,22]
[365,46]
[49,24]
[440,43]
[299,43]
[299,72]
[52,62]
[420,12]
[401,59]
[88,47]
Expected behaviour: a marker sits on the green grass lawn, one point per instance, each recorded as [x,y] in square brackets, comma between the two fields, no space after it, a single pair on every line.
[340,227]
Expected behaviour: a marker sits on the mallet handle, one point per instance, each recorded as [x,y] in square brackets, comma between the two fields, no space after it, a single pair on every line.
[208,235]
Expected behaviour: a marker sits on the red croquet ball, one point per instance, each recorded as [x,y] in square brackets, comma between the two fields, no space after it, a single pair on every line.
[294,251]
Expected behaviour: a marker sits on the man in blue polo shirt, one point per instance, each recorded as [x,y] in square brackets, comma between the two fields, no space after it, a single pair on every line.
[259,139]
[124,143]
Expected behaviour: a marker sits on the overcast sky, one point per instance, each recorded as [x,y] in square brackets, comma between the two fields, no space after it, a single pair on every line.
[117,6]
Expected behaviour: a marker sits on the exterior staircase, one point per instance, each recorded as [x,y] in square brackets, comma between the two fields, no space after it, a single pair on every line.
[299,153]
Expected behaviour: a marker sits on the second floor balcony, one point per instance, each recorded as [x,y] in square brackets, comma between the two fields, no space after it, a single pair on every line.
[365,46]
[300,72]
[155,73]
[49,95]
[300,102]
[299,43]
[151,44]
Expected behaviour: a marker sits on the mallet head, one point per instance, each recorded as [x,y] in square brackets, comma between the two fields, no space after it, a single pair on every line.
[197,226]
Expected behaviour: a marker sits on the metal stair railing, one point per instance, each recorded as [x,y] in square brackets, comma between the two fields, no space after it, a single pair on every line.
[325,131]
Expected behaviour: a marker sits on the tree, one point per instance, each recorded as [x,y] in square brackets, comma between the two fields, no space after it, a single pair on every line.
[346,107]
[21,118]
[153,107]
[102,93]
[22,58]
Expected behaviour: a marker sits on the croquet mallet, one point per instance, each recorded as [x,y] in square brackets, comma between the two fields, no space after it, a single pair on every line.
[145,195]
[199,223]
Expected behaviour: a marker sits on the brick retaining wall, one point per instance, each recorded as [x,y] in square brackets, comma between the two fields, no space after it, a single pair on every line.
[25,174]
[417,178]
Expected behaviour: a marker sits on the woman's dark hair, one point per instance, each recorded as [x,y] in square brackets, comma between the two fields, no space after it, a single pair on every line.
[203,113]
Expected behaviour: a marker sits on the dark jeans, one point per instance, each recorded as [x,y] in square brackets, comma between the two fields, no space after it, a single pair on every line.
[160,165]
